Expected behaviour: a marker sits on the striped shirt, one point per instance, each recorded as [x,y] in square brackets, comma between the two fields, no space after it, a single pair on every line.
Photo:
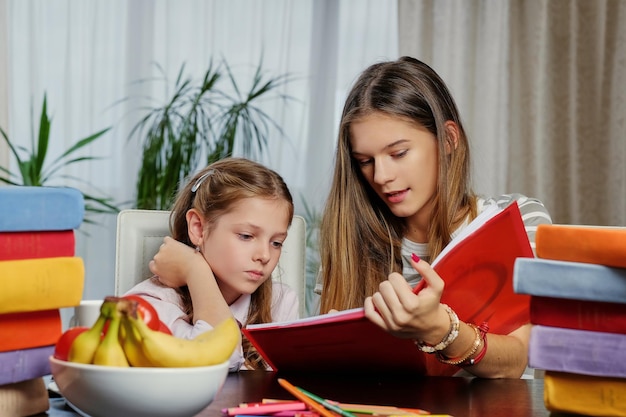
[533,214]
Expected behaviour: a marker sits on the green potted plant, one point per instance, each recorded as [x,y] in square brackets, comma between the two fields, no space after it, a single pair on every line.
[313,218]
[35,170]
[203,119]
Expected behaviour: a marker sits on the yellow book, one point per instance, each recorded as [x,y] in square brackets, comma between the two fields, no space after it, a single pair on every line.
[41,284]
[24,398]
[584,394]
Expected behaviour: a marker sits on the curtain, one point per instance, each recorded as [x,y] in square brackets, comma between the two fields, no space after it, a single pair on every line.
[89,57]
[4,149]
[541,86]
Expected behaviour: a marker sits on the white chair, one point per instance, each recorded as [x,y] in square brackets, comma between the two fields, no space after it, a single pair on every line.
[141,232]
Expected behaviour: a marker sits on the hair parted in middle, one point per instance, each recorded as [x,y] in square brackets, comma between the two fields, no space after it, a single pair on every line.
[359,236]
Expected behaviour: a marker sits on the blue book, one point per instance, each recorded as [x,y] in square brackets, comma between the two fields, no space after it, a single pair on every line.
[572,280]
[21,365]
[577,351]
[26,208]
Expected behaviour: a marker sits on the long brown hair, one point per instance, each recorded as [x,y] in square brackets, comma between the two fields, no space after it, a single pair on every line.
[360,239]
[219,186]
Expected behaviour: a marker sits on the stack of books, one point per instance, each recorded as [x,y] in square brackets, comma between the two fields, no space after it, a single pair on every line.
[39,275]
[577,286]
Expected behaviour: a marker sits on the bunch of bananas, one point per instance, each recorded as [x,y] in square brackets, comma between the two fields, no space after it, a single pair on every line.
[128,341]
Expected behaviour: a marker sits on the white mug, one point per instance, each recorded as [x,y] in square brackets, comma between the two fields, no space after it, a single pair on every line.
[86,313]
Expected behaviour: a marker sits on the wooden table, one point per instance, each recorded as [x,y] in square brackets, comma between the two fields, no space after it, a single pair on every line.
[456,396]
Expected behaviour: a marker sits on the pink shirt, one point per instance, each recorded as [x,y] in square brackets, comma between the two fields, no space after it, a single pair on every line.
[168,305]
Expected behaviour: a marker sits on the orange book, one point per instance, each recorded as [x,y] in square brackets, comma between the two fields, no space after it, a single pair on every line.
[477,268]
[29,329]
[588,244]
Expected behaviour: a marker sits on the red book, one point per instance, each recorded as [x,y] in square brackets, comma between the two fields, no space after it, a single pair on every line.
[578,314]
[478,270]
[36,244]
[29,330]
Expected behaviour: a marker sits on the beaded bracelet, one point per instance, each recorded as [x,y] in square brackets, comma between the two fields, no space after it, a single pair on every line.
[450,337]
[472,350]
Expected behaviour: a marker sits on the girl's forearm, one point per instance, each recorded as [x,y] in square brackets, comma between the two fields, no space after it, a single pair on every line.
[207,300]
[506,355]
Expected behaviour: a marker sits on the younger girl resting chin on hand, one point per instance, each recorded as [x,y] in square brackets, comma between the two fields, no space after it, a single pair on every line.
[228,225]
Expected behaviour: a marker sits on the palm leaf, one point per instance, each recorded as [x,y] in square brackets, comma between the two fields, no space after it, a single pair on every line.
[33,170]
[199,118]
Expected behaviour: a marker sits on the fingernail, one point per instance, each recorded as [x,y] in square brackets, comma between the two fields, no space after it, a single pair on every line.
[415,258]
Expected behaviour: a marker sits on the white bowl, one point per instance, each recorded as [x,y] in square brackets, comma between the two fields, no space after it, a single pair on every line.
[107,391]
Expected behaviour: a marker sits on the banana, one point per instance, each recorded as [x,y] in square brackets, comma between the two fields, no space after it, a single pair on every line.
[84,346]
[132,344]
[209,348]
[109,352]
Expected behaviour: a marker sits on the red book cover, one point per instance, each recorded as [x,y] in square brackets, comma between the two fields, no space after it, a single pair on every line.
[578,314]
[36,244]
[29,330]
[478,270]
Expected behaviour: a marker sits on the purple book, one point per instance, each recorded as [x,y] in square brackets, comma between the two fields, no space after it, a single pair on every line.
[578,351]
[23,364]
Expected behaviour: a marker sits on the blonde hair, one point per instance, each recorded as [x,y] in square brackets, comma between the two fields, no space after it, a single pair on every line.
[212,192]
[360,239]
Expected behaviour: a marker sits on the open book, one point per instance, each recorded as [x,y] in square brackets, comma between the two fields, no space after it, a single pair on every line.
[477,267]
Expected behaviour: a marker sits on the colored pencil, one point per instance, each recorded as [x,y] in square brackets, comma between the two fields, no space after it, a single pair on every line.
[381,410]
[326,404]
[302,397]
[265,408]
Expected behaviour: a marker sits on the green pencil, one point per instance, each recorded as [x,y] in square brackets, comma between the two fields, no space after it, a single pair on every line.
[326,404]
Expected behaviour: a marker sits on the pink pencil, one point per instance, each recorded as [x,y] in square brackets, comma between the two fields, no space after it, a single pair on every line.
[265,408]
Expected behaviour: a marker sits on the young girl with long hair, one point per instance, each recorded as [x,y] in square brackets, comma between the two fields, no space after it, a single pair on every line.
[227,226]
[400,193]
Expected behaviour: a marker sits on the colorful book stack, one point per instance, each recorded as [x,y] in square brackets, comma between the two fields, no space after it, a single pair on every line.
[39,274]
[577,286]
